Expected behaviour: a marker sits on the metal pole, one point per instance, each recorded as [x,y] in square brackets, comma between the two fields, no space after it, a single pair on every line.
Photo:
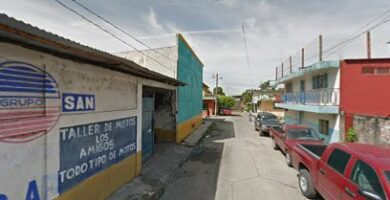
[276,73]
[216,95]
[282,70]
[290,63]
[320,48]
[368,45]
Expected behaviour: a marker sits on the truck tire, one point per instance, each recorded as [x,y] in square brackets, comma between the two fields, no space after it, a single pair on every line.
[261,133]
[306,185]
[288,159]
[274,145]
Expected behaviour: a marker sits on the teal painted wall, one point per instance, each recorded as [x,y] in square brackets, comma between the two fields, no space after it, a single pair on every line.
[190,71]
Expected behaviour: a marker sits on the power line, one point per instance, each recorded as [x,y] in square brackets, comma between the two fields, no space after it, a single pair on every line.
[108,32]
[120,29]
[246,51]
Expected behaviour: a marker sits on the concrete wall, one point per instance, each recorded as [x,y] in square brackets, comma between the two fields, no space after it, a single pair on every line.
[155,59]
[365,94]
[46,158]
[311,120]
[372,130]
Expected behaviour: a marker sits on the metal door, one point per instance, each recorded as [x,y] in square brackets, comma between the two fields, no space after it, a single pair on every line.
[147,128]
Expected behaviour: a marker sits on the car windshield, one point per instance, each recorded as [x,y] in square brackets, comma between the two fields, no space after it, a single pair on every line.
[303,134]
[268,117]
[388,176]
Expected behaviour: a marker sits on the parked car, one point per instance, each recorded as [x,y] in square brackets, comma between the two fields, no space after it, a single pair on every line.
[225,111]
[288,136]
[343,171]
[260,118]
[267,124]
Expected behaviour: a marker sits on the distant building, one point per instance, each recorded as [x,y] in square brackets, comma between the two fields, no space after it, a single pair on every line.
[209,102]
[179,62]
[334,96]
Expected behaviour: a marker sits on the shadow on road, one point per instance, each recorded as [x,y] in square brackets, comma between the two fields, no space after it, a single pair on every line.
[198,177]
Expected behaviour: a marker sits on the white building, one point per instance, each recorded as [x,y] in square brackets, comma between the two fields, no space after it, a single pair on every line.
[312,98]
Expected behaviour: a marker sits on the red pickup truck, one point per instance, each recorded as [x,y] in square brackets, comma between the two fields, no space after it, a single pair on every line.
[290,135]
[343,171]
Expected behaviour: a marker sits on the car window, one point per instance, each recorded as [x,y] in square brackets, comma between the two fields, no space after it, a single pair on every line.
[365,177]
[338,160]
[303,134]
[388,176]
[278,129]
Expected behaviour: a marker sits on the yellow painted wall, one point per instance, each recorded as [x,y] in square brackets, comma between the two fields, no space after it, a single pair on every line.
[187,127]
[103,184]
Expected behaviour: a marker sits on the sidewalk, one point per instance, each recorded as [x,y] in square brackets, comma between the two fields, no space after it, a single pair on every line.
[160,169]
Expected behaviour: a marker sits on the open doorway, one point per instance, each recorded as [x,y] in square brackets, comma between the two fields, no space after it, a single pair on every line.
[158,118]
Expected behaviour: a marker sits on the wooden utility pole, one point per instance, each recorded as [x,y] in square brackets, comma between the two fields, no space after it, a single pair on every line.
[290,64]
[368,45]
[276,73]
[320,48]
[303,58]
[282,70]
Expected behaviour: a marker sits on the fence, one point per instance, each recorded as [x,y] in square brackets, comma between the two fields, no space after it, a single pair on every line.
[324,96]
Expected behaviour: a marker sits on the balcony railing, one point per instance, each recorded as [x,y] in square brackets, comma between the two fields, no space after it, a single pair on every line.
[324,96]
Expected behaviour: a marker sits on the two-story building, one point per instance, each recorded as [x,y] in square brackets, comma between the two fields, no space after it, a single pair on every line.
[335,96]
[312,97]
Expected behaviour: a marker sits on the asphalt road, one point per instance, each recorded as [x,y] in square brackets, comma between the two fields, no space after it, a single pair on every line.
[234,163]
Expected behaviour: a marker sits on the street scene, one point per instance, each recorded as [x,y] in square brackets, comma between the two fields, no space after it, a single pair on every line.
[198,100]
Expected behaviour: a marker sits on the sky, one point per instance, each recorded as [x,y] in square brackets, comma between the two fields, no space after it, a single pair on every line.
[274,30]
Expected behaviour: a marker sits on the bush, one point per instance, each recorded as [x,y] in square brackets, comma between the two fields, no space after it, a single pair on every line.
[226,101]
[351,135]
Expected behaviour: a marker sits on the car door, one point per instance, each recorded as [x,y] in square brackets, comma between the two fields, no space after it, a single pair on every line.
[330,174]
[362,178]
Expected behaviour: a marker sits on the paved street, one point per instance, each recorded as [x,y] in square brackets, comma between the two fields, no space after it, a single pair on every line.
[233,162]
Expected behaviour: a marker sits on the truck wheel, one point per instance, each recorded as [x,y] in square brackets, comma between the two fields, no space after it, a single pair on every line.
[261,133]
[288,159]
[305,184]
[274,145]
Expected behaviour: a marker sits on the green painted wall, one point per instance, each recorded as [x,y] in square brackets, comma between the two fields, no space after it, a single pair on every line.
[190,71]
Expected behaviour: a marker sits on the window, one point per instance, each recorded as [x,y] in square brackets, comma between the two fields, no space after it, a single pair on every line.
[323,126]
[376,70]
[338,160]
[289,87]
[365,177]
[320,81]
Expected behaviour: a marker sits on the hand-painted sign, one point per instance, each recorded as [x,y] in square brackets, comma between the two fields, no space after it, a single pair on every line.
[77,102]
[29,102]
[89,148]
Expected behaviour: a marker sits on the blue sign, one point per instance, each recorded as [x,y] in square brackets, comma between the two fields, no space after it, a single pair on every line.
[87,149]
[77,102]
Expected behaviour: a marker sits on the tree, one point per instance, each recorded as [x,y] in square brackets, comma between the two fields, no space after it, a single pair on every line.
[267,87]
[226,101]
[219,91]
[247,96]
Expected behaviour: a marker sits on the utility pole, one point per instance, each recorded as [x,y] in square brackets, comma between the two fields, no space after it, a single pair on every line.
[216,94]
[320,48]
[303,58]
[290,64]
[282,70]
[368,45]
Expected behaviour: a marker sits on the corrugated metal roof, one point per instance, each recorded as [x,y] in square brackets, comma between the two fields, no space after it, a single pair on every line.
[26,35]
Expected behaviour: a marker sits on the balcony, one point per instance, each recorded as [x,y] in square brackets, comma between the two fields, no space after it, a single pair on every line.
[325,100]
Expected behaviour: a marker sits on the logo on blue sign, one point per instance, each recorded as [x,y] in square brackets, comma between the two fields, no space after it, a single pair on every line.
[72,102]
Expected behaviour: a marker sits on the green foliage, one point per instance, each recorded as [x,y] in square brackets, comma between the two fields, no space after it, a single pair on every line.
[219,91]
[351,135]
[247,96]
[267,87]
[226,101]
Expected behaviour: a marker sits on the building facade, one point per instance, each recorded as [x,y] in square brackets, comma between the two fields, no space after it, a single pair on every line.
[312,98]
[71,117]
[179,62]
[364,99]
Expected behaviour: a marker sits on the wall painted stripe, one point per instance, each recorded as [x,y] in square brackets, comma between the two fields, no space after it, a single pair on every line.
[26,74]
[7,89]
[21,78]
